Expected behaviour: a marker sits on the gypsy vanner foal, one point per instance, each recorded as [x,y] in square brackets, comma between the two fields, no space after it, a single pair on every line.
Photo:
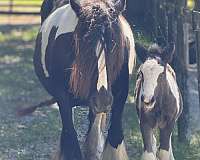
[84,54]
[158,100]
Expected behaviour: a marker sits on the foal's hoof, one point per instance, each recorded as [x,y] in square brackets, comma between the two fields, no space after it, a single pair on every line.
[148,156]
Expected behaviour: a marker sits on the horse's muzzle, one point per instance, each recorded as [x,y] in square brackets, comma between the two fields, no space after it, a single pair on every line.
[101,101]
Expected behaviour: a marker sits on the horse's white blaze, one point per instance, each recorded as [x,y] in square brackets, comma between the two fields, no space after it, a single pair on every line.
[118,153]
[164,155]
[148,156]
[174,89]
[63,18]
[126,29]
[102,78]
[151,71]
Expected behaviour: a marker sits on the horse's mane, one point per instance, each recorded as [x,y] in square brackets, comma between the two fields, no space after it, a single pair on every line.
[98,22]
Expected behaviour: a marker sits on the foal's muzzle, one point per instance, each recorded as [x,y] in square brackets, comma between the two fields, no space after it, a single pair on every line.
[149,102]
[101,101]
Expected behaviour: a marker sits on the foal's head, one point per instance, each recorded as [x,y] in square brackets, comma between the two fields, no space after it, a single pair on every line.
[153,72]
[99,49]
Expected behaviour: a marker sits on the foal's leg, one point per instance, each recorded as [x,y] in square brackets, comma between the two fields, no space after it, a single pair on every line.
[148,140]
[165,150]
[69,146]
[115,147]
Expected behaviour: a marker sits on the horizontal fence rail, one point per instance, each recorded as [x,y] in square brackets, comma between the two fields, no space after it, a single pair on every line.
[20,7]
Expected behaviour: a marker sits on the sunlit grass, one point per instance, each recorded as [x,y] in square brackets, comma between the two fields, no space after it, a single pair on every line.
[17,34]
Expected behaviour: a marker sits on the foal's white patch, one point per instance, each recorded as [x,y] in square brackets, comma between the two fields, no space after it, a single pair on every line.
[164,155]
[148,156]
[65,19]
[170,148]
[151,71]
[174,89]
[102,78]
[126,29]
[111,153]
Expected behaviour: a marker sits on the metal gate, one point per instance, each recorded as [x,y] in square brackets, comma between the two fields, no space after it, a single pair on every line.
[20,7]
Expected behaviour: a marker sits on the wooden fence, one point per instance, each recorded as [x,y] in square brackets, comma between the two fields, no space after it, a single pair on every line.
[20,7]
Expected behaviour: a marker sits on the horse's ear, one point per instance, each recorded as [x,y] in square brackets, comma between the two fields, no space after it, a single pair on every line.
[168,53]
[120,5]
[75,6]
[141,51]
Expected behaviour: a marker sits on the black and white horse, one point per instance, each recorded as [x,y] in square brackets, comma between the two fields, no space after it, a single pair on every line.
[158,100]
[84,54]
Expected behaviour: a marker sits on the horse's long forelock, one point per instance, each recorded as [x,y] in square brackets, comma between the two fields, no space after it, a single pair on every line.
[86,62]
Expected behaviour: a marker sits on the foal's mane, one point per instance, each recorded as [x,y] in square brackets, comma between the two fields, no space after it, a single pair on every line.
[98,22]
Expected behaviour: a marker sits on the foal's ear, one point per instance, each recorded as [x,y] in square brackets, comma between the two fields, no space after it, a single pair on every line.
[141,52]
[168,53]
[120,5]
[75,6]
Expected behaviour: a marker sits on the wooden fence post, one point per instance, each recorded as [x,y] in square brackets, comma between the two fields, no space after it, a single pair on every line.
[11,6]
[197,36]
[180,66]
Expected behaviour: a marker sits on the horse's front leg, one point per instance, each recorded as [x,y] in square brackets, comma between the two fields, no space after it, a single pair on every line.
[69,146]
[148,140]
[115,146]
[95,140]
[165,150]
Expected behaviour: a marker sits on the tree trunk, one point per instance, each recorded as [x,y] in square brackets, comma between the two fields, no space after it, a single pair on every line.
[180,65]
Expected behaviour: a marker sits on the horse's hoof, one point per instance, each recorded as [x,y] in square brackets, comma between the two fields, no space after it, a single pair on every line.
[118,153]
[148,156]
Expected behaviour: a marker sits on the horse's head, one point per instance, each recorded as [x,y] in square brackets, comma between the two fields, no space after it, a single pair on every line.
[153,72]
[99,50]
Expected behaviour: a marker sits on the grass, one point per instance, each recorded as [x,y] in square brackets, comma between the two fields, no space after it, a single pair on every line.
[35,137]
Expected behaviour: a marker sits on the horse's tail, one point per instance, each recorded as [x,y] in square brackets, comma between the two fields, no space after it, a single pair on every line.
[31,109]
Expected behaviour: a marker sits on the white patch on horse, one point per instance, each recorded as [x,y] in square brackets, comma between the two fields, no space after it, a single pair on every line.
[118,153]
[164,155]
[170,148]
[102,78]
[151,71]
[63,18]
[126,29]
[95,140]
[174,89]
[148,156]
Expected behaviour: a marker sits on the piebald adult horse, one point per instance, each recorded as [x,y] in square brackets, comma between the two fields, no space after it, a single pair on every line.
[83,57]
[158,100]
